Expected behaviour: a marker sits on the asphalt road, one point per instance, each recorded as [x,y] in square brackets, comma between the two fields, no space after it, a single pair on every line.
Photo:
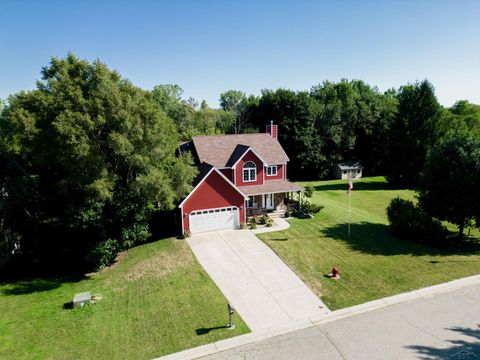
[443,326]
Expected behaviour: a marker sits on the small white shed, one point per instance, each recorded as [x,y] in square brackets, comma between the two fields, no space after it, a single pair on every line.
[344,169]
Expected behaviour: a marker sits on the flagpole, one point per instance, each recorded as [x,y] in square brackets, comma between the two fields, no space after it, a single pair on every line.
[349,210]
[349,191]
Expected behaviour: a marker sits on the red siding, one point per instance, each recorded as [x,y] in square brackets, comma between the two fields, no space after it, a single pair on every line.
[275,177]
[249,156]
[213,192]
[228,173]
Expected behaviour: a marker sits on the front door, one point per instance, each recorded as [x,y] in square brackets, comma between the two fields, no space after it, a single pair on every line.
[269,201]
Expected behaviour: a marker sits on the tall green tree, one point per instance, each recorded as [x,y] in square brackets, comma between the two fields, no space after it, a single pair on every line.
[90,157]
[354,119]
[450,182]
[169,98]
[190,118]
[239,108]
[467,113]
[416,128]
[296,114]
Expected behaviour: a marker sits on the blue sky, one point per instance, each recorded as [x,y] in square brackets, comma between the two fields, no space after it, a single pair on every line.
[208,47]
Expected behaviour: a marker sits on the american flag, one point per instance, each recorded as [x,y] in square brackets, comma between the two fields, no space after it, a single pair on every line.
[350,184]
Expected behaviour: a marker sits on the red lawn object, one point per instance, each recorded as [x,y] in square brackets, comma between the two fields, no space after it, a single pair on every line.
[335,273]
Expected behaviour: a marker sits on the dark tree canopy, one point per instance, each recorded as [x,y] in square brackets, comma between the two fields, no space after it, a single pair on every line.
[89,157]
[450,182]
[348,120]
[414,130]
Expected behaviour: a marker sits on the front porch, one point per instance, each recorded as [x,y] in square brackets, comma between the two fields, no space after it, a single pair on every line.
[272,203]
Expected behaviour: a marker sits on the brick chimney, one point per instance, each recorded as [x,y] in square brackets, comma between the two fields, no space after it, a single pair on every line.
[272,130]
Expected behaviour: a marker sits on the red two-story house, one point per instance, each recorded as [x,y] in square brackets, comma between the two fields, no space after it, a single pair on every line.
[240,175]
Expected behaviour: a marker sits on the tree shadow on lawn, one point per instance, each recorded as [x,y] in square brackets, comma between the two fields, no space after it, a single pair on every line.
[359,185]
[376,239]
[459,349]
[29,286]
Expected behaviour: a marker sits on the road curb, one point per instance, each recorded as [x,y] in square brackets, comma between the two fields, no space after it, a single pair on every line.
[227,344]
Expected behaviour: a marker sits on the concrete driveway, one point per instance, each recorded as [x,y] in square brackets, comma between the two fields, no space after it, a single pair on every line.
[260,286]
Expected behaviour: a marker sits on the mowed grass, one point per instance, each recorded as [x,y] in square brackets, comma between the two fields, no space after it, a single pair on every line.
[155,300]
[373,263]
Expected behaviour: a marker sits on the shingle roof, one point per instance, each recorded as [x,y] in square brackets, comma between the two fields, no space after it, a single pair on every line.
[352,164]
[221,150]
[237,154]
[271,186]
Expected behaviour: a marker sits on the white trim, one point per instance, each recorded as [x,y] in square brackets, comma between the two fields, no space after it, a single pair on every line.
[274,192]
[206,176]
[210,210]
[245,212]
[272,201]
[272,166]
[249,169]
[183,225]
[228,180]
[253,151]
[234,209]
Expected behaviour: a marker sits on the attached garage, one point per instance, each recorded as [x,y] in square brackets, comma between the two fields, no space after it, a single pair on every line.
[214,204]
[213,219]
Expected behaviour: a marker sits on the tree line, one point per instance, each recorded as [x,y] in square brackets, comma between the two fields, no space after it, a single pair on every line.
[87,158]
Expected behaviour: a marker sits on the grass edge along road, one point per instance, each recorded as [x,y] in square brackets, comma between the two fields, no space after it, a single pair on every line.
[156,300]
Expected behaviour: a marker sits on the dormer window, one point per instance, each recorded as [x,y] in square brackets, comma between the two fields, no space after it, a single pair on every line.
[249,172]
[272,170]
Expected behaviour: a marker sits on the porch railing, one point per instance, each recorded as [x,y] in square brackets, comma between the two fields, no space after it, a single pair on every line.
[262,210]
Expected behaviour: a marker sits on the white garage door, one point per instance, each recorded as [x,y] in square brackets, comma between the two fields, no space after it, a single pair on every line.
[213,219]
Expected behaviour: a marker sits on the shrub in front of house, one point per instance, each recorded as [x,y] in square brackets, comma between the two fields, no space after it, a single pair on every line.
[309,190]
[287,214]
[313,208]
[410,222]
[243,226]
[253,225]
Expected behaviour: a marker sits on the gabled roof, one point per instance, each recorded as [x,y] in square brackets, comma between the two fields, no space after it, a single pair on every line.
[205,171]
[352,164]
[222,150]
[238,154]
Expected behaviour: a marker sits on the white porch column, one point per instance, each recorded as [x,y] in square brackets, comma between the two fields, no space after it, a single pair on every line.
[299,201]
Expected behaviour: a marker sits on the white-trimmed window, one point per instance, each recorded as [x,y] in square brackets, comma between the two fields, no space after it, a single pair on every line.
[249,172]
[272,170]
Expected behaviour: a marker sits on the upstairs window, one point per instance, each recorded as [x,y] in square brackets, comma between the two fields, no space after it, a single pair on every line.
[249,172]
[272,170]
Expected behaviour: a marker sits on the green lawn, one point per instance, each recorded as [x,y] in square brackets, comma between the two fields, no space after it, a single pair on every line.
[156,300]
[373,263]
